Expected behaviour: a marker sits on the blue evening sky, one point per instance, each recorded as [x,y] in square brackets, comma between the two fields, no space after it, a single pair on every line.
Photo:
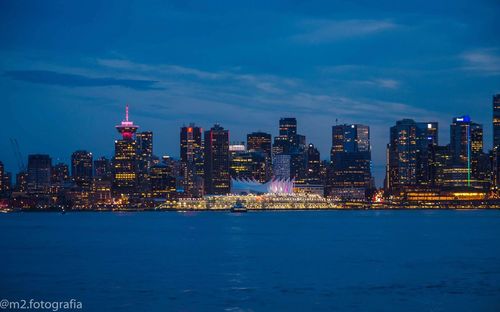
[67,68]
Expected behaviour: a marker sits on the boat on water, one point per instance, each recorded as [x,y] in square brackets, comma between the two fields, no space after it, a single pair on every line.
[239,207]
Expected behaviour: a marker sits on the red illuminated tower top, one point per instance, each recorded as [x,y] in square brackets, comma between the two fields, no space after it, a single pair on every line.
[127,128]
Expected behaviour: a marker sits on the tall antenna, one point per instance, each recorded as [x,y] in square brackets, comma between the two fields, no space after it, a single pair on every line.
[126,112]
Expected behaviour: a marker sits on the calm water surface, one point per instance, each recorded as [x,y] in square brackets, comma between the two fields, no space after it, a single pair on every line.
[259,261]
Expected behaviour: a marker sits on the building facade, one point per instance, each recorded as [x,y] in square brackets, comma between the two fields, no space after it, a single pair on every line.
[217,178]
[192,160]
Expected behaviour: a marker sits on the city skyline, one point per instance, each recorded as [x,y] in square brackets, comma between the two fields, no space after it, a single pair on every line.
[319,62]
[127,130]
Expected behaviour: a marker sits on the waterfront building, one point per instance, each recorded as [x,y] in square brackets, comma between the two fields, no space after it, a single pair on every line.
[39,173]
[192,160]
[274,186]
[466,149]
[163,182]
[288,142]
[408,153]
[496,142]
[439,165]
[217,179]
[101,192]
[350,161]
[125,160]
[248,165]
[82,169]
[496,120]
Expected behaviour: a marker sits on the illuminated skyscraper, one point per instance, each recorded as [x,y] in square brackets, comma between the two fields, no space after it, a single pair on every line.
[39,173]
[217,179]
[192,160]
[287,138]
[313,174]
[350,160]
[162,181]
[125,161]
[259,142]
[408,154]
[496,121]
[248,165]
[466,148]
[81,169]
[144,158]
[290,143]
[496,142]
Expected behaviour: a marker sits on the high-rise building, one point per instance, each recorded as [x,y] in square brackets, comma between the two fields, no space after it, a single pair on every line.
[125,160]
[496,142]
[217,179]
[144,157]
[145,145]
[163,184]
[259,142]
[39,172]
[313,174]
[281,166]
[439,163]
[287,137]
[248,165]
[102,168]
[466,148]
[290,143]
[496,121]
[350,138]
[81,169]
[350,161]
[288,127]
[60,173]
[192,160]
[408,153]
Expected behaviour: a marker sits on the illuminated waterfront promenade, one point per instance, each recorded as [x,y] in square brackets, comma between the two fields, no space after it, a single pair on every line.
[316,202]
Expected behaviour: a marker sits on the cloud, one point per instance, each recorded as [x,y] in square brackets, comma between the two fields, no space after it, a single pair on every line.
[486,61]
[72,80]
[324,31]
[175,73]
[387,83]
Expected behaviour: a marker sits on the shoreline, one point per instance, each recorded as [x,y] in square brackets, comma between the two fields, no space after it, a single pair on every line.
[228,210]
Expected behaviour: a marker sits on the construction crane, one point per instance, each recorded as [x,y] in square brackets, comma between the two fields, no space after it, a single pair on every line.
[17,153]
